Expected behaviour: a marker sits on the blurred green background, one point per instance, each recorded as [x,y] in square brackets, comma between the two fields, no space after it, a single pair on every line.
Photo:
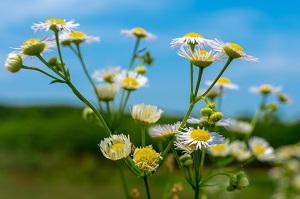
[51,152]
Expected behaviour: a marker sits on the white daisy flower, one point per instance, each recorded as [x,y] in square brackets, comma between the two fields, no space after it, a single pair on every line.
[261,149]
[220,150]
[145,114]
[232,50]
[199,57]
[224,83]
[55,24]
[107,74]
[130,80]
[191,38]
[192,139]
[204,121]
[162,132]
[239,127]
[239,150]
[139,33]
[77,37]
[13,62]
[146,158]
[36,46]
[107,92]
[265,89]
[116,147]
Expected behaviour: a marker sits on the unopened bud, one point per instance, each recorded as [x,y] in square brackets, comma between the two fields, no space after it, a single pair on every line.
[185,157]
[141,69]
[188,163]
[211,105]
[13,62]
[216,116]
[52,61]
[206,111]
[242,183]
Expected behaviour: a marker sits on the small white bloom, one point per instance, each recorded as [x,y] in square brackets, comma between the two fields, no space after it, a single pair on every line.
[239,127]
[145,114]
[56,24]
[224,83]
[77,37]
[116,147]
[146,158]
[107,74]
[239,150]
[265,89]
[191,139]
[107,92]
[220,150]
[139,33]
[261,149]
[189,39]
[130,80]
[232,50]
[164,131]
[13,62]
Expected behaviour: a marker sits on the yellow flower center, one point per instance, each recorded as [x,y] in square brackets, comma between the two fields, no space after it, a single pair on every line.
[146,159]
[192,34]
[129,81]
[139,31]
[218,147]
[236,47]
[223,81]
[116,148]
[77,35]
[31,41]
[265,89]
[200,135]
[204,54]
[55,21]
[258,149]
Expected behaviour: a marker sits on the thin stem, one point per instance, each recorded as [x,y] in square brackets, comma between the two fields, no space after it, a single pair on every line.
[125,187]
[199,80]
[212,175]
[40,70]
[220,74]
[191,82]
[202,164]
[59,53]
[143,129]
[134,53]
[147,186]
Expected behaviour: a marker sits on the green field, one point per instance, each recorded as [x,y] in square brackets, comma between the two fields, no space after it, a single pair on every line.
[51,152]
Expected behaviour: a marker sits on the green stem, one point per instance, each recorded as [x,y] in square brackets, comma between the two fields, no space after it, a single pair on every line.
[143,129]
[220,74]
[47,64]
[212,175]
[40,70]
[59,53]
[125,187]
[147,186]
[202,164]
[191,82]
[199,80]
[134,53]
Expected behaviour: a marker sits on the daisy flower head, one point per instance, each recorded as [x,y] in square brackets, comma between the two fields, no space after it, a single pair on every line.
[204,121]
[116,147]
[239,127]
[139,33]
[239,150]
[164,132]
[265,89]
[55,24]
[146,158]
[220,150]
[36,46]
[107,92]
[199,57]
[13,62]
[191,139]
[145,115]
[233,51]
[76,37]
[224,83]
[106,74]
[191,39]
[261,149]
[130,80]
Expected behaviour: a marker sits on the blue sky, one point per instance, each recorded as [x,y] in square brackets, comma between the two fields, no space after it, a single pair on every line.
[267,30]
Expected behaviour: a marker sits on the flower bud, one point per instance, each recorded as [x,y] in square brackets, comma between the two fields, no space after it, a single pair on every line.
[53,61]
[216,116]
[188,163]
[211,105]
[13,62]
[206,111]
[273,106]
[141,69]
[88,114]
[242,183]
[185,157]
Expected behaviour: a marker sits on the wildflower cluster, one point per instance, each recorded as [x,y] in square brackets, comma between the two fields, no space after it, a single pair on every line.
[189,139]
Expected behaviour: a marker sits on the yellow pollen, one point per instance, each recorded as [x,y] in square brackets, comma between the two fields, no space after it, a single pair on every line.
[200,135]
[204,54]
[77,35]
[265,88]
[55,21]
[259,149]
[218,147]
[129,81]
[236,47]
[145,155]
[139,31]
[193,34]
[116,148]
[223,81]
[31,41]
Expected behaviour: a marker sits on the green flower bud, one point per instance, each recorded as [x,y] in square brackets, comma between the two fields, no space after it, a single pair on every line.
[211,105]
[88,114]
[206,111]
[53,61]
[283,98]
[273,106]
[185,157]
[188,163]
[242,183]
[216,116]
[141,69]
[13,62]
[233,179]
